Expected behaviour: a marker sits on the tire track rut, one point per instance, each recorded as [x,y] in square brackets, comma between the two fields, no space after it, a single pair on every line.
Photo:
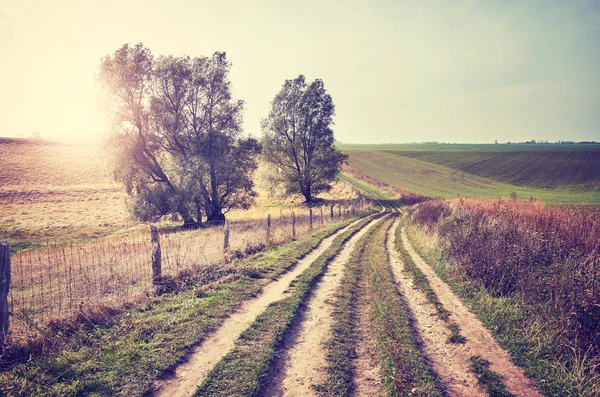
[452,361]
[301,363]
[208,353]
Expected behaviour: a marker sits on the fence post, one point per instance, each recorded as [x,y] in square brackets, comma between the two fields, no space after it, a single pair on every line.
[4,287]
[268,229]
[226,235]
[322,220]
[156,255]
[293,225]
[339,211]
[310,219]
[331,211]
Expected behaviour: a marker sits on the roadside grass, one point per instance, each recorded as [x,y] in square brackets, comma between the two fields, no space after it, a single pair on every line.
[244,370]
[341,346]
[491,381]
[125,352]
[434,180]
[404,367]
[530,346]
[423,284]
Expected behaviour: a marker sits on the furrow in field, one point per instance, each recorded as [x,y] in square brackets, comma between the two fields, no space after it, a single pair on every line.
[452,362]
[205,356]
[300,365]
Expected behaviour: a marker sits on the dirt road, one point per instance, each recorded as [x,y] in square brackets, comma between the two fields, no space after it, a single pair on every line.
[301,363]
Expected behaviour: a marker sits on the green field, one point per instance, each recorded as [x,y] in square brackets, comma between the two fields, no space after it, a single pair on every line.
[553,173]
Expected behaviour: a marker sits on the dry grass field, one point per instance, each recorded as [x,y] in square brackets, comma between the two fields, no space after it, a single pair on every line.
[51,191]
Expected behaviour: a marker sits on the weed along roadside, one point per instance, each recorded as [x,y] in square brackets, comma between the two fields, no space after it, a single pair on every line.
[127,351]
[244,371]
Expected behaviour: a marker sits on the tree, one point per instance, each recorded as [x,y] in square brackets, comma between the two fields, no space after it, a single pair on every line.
[178,147]
[298,139]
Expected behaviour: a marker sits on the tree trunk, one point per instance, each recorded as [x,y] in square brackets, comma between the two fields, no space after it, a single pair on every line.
[307,193]
[216,213]
[198,210]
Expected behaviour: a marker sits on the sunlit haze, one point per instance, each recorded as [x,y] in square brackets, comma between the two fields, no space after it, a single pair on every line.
[398,71]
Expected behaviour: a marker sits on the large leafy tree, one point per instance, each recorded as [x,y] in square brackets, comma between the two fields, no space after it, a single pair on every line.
[178,146]
[298,140]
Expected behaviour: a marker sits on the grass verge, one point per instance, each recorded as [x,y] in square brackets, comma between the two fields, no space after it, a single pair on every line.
[404,367]
[422,283]
[529,347]
[125,353]
[244,370]
[341,347]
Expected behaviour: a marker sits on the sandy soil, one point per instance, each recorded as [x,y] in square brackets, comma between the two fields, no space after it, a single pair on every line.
[301,363]
[191,373]
[451,361]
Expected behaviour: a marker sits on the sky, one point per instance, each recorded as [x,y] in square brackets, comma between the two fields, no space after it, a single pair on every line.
[398,71]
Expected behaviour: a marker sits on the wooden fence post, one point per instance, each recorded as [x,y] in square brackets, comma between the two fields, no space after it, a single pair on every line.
[331,211]
[310,219]
[322,220]
[156,255]
[268,229]
[339,211]
[293,225]
[4,287]
[226,235]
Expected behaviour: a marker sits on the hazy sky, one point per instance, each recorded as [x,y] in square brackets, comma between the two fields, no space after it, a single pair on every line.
[398,71]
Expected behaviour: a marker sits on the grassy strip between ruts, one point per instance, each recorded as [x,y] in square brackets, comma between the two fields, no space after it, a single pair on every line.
[421,281]
[488,379]
[404,366]
[341,346]
[126,353]
[504,317]
[244,370]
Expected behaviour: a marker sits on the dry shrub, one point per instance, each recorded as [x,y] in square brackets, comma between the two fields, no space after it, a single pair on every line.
[547,256]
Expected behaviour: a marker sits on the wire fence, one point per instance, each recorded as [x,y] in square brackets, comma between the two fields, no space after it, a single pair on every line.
[61,280]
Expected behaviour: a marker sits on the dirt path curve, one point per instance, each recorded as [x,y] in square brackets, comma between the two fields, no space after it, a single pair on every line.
[189,375]
[451,361]
[301,363]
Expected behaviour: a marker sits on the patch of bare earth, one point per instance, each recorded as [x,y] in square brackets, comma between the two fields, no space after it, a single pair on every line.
[301,363]
[367,378]
[206,355]
[452,361]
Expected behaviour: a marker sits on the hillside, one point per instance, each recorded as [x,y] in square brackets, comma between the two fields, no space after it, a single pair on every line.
[551,169]
[554,176]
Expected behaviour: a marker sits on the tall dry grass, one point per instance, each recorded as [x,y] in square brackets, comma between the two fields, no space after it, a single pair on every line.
[545,256]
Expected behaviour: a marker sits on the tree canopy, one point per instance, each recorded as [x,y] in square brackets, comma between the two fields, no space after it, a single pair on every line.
[298,139]
[178,146]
